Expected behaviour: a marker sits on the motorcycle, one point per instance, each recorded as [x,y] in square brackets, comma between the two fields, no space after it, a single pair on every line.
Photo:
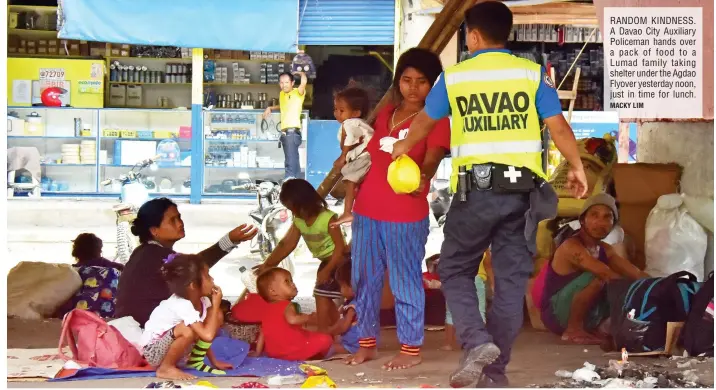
[133,195]
[271,217]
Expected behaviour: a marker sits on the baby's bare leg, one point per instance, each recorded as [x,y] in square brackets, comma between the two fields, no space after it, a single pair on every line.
[347,215]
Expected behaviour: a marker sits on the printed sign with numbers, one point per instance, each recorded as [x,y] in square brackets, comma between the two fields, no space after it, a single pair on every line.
[52,74]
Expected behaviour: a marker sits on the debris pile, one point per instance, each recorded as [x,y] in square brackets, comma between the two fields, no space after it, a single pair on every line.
[620,374]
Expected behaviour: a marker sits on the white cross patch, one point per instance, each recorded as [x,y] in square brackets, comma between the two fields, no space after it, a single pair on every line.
[512,174]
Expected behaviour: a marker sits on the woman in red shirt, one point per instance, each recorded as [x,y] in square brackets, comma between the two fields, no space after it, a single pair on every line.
[390,230]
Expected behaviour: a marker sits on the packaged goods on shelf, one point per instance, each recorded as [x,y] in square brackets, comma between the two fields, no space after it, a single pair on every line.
[117,95]
[134,96]
[70,154]
[129,152]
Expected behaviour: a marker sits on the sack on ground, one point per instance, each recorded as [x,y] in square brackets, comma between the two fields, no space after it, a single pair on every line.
[130,329]
[35,290]
[95,343]
[646,308]
[697,336]
[674,240]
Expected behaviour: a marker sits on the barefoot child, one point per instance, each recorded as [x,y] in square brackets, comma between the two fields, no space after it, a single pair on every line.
[350,106]
[312,221]
[189,317]
[283,335]
[345,327]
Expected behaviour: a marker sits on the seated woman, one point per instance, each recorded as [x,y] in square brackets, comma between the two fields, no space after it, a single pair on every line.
[159,226]
[574,302]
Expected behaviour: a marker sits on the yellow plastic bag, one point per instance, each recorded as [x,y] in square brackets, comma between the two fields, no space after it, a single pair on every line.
[319,381]
[310,370]
[404,175]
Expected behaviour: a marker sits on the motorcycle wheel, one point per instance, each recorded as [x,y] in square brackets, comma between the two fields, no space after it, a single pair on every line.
[265,248]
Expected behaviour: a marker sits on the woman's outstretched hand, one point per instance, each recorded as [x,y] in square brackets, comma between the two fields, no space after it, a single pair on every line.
[243,233]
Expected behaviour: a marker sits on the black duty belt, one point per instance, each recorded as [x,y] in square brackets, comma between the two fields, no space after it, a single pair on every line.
[495,177]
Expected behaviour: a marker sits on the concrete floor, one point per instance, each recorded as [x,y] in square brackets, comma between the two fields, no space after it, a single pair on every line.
[536,357]
[41,231]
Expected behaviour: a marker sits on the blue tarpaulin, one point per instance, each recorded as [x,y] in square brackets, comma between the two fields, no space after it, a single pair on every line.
[254,25]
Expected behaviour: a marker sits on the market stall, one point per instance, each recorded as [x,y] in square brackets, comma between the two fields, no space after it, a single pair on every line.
[130,91]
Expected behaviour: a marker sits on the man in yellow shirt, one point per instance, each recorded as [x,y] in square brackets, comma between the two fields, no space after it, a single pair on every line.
[290,104]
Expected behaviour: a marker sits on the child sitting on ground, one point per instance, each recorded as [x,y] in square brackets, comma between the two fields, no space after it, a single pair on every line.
[480,281]
[283,335]
[312,221]
[345,327]
[87,250]
[189,317]
[350,107]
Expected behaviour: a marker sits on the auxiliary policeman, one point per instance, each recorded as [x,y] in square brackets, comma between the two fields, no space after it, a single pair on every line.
[496,101]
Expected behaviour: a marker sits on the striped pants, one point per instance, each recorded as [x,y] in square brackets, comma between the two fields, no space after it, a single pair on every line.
[399,247]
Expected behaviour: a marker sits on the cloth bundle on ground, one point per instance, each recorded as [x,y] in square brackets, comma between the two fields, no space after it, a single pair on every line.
[653,302]
[36,290]
[697,336]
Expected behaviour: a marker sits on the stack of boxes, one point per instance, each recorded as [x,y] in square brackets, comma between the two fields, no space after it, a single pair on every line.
[265,55]
[270,71]
[70,154]
[548,33]
[239,74]
[221,75]
[62,47]
[88,152]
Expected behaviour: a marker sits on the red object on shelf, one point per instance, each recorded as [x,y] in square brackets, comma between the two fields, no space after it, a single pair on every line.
[50,97]
[185,132]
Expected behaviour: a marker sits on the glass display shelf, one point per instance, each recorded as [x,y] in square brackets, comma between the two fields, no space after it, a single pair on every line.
[65,144]
[241,147]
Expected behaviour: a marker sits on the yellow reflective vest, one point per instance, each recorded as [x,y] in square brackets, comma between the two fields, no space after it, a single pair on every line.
[494,113]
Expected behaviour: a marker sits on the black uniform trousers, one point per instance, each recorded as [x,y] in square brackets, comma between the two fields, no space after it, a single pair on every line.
[508,223]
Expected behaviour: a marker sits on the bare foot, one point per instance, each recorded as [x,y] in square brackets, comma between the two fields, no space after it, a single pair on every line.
[173,373]
[447,347]
[581,338]
[402,361]
[343,219]
[363,355]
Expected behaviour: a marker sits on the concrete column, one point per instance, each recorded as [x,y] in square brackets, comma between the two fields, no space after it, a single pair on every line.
[690,145]
[414,24]
[197,127]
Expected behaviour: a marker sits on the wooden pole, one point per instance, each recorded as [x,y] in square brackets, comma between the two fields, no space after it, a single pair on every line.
[446,23]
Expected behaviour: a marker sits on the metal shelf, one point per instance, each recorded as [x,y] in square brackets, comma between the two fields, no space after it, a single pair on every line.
[232,141]
[130,166]
[142,139]
[46,137]
[50,34]
[67,165]
[167,84]
[243,168]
